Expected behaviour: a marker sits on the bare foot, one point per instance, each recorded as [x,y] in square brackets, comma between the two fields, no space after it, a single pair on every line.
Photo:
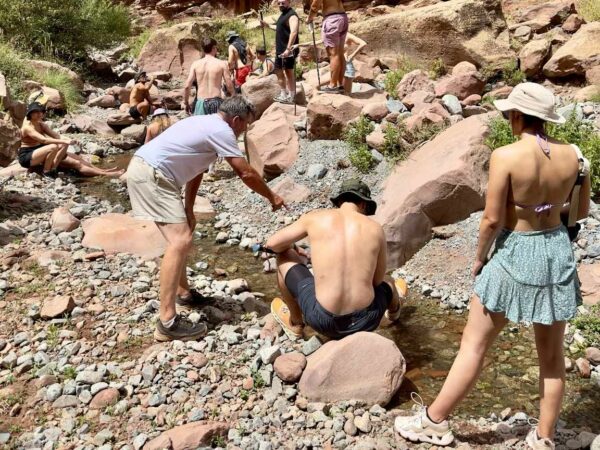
[114,174]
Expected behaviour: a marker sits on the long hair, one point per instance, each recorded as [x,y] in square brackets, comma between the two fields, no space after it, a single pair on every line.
[163,122]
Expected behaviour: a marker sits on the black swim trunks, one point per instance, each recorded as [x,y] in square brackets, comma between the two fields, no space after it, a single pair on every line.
[133,112]
[25,154]
[301,284]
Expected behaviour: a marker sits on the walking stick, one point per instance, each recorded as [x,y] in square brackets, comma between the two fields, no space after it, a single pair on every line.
[263,31]
[295,86]
[312,28]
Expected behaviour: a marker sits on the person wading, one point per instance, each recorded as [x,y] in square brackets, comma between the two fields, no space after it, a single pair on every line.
[286,36]
[349,291]
[155,177]
[333,33]
[42,147]
[531,275]
[209,74]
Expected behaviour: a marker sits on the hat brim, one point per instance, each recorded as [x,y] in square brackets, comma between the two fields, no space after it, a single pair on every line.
[371,204]
[506,105]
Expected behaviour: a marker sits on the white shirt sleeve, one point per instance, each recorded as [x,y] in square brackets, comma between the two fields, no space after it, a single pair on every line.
[225,144]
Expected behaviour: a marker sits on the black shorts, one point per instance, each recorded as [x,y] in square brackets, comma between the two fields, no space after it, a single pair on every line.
[301,284]
[133,112]
[25,154]
[285,63]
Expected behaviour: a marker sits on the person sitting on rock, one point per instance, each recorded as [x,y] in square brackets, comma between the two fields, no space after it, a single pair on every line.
[349,291]
[155,178]
[267,66]
[240,59]
[140,101]
[43,148]
[160,122]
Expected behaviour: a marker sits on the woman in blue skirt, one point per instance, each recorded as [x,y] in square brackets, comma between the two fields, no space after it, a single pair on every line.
[531,275]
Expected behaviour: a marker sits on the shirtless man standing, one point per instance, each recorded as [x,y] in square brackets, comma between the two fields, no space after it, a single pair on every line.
[240,58]
[209,73]
[349,291]
[333,32]
[140,102]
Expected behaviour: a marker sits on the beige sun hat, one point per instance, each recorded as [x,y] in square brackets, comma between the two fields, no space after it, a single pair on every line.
[532,99]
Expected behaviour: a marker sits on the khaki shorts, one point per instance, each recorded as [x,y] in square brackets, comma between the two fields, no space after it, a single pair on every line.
[153,196]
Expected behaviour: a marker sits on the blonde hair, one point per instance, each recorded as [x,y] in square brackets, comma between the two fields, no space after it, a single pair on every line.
[163,122]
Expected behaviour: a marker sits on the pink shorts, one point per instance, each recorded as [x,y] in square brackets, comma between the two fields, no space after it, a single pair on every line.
[335,29]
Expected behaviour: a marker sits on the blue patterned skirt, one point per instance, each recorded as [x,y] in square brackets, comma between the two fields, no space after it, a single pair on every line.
[531,277]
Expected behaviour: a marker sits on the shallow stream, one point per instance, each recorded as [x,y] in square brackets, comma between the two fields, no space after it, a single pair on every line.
[427,335]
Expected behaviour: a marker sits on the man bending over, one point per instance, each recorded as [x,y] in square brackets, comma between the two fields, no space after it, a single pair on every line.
[349,291]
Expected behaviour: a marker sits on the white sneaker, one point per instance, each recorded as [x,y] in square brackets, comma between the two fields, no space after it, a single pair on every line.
[537,443]
[418,427]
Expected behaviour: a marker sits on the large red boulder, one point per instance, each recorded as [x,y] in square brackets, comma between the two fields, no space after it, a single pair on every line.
[189,436]
[589,275]
[43,67]
[364,366]
[260,91]
[578,55]
[10,139]
[441,183]
[546,15]
[87,124]
[533,56]
[62,220]
[121,233]
[463,82]
[414,81]
[291,191]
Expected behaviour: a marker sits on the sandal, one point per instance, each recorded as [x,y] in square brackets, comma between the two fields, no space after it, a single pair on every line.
[281,314]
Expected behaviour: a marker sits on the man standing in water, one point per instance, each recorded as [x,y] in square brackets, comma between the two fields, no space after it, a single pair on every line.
[155,177]
[286,36]
[333,32]
[349,291]
[209,73]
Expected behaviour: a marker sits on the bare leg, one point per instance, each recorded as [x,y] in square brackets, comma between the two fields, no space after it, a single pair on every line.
[290,82]
[179,242]
[347,86]
[549,343]
[395,304]
[143,108]
[183,289]
[59,156]
[285,261]
[86,169]
[482,328]
[333,66]
[341,64]
[281,79]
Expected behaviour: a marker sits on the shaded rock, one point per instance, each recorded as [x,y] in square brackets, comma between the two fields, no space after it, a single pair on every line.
[121,119]
[533,56]
[289,366]
[189,436]
[43,67]
[57,307]
[419,195]
[572,24]
[592,354]
[583,367]
[63,221]
[260,91]
[364,366]
[542,17]
[592,75]
[460,30]
[136,133]
[87,124]
[121,233]
[173,99]
[104,101]
[10,139]
[579,54]
[291,191]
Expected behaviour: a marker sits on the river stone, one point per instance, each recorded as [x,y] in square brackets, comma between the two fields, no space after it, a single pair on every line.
[452,104]
[188,436]
[593,355]
[289,366]
[57,307]
[364,367]
[596,443]
[65,401]
[104,398]
[583,366]
[269,354]
[89,377]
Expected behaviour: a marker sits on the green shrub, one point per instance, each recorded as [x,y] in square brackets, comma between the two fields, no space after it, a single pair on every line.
[136,43]
[589,10]
[511,74]
[362,158]
[438,69]
[394,147]
[60,81]
[589,325]
[15,70]
[393,77]
[500,133]
[488,100]
[419,136]
[63,28]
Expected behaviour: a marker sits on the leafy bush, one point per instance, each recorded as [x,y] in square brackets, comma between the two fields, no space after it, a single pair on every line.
[589,325]
[362,158]
[393,77]
[136,43]
[500,133]
[438,69]
[394,147]
[589,10]
[61,82]
[63,28]
[15,70]
[511,73]
[419,136]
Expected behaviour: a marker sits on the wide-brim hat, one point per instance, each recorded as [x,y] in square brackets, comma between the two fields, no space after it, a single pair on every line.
[33,107]
[160,112]
[230,35]
[532,99]
[354,188]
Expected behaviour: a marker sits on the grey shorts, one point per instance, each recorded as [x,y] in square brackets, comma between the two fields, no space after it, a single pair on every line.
[153,196]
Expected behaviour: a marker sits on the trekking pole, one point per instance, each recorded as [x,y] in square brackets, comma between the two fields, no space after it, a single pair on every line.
[263,31]
[295,86]
[312,28]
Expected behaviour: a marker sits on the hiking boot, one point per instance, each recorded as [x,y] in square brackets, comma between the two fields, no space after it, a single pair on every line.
[182,329]
[282,98]
[331,90]
[418,427]
[281,313]
[537,443]
[193,301]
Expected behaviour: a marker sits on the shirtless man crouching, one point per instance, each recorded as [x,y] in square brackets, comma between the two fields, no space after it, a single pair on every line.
[209,73]
[349,291]
[140,101]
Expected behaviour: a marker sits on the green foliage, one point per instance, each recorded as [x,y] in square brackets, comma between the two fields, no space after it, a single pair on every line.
[136,43]
[511,74]
[393,77]
[52,336]
[218,441]
[425,133]
[589,325]
[488,100]
[300,69]
[394,147]
[60,81]
[438,69]
[244,394]
[15,69]
[589,10]
[362,158]
[500,133]
[258,380]
[69,373]
[63,28]
[489,73]
[356,134]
